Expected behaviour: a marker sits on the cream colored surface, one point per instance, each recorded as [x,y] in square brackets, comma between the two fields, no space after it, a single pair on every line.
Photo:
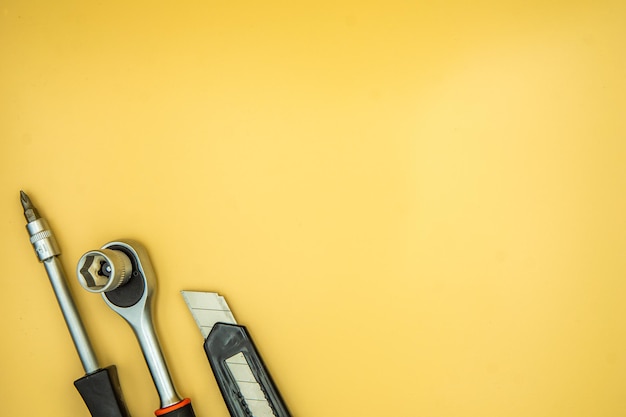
[417,208]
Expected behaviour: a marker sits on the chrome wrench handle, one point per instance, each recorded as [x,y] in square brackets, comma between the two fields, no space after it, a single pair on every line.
[144,331]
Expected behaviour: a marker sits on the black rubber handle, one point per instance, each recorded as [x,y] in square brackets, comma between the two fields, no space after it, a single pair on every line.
[102,393]
[181,409]
[225,341]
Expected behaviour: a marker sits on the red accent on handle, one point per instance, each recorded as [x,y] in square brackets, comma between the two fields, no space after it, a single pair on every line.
[169,409]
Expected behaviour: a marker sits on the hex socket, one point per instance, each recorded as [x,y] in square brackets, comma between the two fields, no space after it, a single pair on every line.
[103,270]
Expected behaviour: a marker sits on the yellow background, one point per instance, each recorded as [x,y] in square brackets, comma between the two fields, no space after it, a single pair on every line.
[417,208]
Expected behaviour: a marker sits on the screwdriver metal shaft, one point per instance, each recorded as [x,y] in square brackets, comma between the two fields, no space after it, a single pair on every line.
[47,250]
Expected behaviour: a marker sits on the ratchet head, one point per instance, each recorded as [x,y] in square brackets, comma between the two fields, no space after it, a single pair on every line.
[122,272]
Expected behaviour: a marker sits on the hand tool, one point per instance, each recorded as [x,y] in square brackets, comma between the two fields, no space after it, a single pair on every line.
[99,388]
[244,381]
[122,272]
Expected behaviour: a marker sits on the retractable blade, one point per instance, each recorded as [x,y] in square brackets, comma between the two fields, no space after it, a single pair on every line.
[244,381]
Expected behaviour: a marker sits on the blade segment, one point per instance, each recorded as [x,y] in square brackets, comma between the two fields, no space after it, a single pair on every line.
[208,308]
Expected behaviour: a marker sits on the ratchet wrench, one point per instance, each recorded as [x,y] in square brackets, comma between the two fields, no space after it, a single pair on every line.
[122,272]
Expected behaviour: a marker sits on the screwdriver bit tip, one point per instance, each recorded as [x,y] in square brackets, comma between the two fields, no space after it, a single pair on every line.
[30,212]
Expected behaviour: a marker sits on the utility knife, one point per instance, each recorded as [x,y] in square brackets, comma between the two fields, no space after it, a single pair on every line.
[244,381]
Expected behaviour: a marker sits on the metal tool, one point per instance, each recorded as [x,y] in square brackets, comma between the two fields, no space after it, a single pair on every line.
[244,381]
[122,272]
[99,387]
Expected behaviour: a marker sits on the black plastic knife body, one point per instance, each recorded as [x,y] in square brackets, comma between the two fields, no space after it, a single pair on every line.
[227,341]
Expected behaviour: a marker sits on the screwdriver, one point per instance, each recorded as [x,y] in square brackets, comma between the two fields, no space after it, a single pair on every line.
[99,388]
